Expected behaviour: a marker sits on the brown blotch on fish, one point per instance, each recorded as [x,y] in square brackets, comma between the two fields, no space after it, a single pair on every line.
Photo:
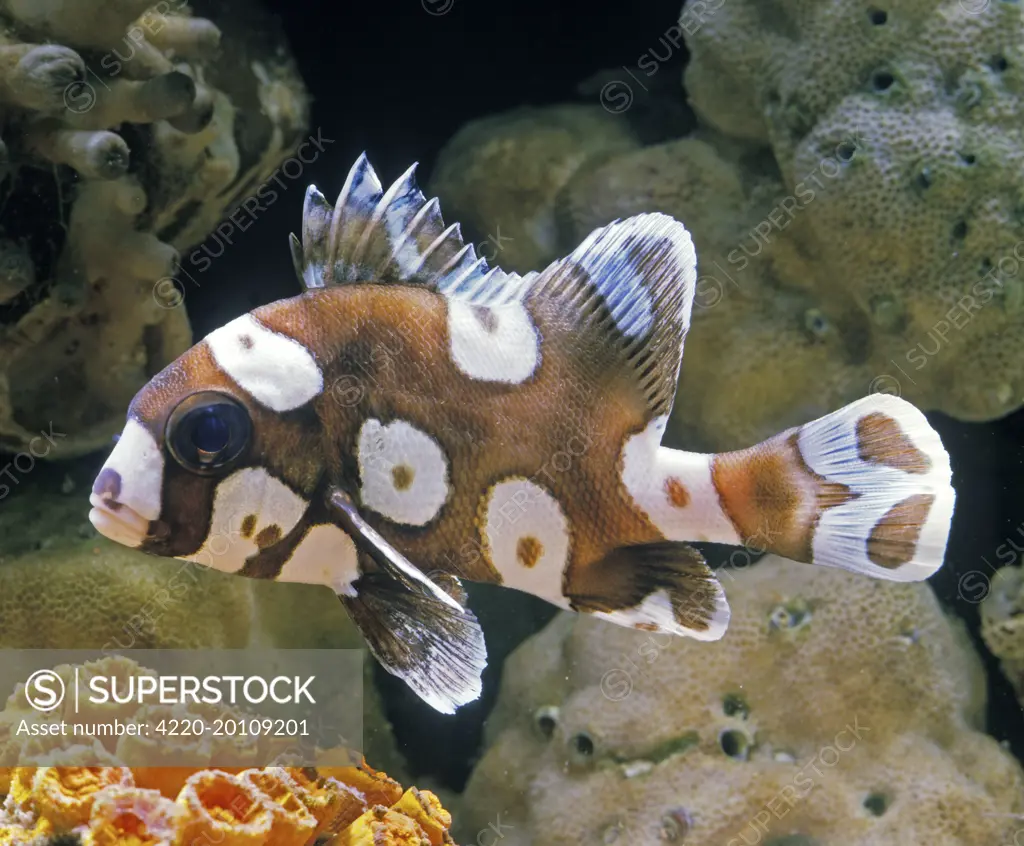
[773,498]
[758,491]
[893,540]
[677,493]
[485,317]
[402,476]
[880,440]
[529,550]
[246,341]
[248,525]
[268,536]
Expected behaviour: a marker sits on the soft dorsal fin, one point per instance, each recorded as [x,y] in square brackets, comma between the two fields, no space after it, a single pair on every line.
[632,283]
[372,235]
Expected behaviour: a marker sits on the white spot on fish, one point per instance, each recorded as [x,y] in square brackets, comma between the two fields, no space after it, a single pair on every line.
[277,371]
[139,462]
[272,508]
[404,472]
[493,343]
[325,556]
[525,536]
[674,488]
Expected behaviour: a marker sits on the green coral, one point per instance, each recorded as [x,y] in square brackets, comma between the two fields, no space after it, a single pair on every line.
[77,590]
[928,210]
[851,735]
[856,197]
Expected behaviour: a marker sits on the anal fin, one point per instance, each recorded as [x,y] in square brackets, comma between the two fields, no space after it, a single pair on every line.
[664,586]
[437,650]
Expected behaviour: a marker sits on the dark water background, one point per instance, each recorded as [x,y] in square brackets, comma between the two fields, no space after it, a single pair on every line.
[389,78]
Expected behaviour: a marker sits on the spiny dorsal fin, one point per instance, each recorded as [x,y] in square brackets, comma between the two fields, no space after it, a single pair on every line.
[372,235]
[632,282]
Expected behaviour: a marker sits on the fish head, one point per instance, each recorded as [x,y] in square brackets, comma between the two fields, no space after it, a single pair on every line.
[220,456]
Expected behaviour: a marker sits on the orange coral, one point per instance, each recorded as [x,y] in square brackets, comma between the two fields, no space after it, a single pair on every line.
[177,806]
[381,827]
[224,809]
[426,809]
[64,796]
[376,787]
[272,806]
[292,822]
[133,817]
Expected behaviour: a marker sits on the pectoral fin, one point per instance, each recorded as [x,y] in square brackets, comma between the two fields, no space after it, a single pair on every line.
[414,628]
[369,541]
[438,651]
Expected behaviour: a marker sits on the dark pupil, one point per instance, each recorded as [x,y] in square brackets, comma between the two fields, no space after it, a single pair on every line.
[210,433]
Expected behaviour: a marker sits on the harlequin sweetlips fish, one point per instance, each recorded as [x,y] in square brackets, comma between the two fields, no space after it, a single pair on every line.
[416,417]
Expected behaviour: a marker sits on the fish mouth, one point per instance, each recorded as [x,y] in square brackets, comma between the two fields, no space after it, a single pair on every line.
[118,522]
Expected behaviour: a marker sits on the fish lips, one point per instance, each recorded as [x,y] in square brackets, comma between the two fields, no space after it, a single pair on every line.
[122,524]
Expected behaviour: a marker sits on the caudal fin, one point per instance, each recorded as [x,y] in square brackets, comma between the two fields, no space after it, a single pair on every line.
[866,488]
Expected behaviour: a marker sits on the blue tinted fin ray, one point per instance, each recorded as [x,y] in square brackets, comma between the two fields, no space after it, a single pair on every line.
[632,283]
[393,236]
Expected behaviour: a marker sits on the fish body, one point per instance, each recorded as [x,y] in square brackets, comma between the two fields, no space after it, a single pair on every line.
[416,417]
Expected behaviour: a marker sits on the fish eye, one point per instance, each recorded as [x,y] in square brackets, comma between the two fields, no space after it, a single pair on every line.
[208,431]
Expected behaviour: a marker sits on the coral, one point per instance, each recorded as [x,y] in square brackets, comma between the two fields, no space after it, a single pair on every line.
[95,594]
[926,204]
[275,806]
[836,711]
[48,795]
[80,591]
[855,198]
[498,177]
[131,128]
[1002,620]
